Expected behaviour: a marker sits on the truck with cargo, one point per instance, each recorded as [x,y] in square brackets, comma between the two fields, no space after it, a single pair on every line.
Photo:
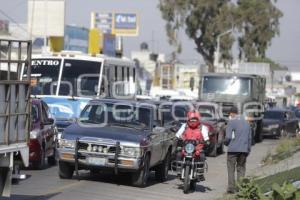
[14,110]
[246,92]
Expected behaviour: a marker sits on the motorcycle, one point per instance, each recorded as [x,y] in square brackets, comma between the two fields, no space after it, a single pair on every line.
[192,165]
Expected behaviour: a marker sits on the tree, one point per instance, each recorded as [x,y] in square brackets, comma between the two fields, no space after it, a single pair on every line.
[204,20]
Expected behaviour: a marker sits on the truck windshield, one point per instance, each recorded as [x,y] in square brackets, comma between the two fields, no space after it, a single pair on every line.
[117,114]
[79,77]
[227,85]
[274,115]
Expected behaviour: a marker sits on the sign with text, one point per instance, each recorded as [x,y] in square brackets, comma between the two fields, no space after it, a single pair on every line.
[126,24]
[119,24]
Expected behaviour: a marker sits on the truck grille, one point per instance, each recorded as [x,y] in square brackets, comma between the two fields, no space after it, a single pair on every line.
[97,148]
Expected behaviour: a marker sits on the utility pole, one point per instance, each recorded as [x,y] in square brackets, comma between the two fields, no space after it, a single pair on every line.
[217,53]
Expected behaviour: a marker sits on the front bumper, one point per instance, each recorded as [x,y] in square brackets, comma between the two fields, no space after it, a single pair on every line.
[107,160]
[270,131]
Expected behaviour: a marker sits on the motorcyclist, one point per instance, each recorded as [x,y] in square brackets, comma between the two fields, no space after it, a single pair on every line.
[194,130]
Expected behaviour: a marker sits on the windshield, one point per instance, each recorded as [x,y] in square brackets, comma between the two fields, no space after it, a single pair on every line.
[297,113]
[274,115]
[207,113]
[79,77]
[227,85]
[44,76]
[116,114]
[63,108]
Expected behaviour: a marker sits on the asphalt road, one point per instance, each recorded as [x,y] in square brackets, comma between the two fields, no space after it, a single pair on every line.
[45,184]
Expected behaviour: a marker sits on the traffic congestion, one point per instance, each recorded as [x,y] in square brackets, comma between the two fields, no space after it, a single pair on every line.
[79,119]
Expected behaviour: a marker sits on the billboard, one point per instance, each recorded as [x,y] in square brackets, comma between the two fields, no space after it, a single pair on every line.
[126,24]
[117,23]
[76,38]
[46,17]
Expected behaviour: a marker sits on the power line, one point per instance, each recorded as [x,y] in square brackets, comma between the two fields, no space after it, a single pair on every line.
[14,21]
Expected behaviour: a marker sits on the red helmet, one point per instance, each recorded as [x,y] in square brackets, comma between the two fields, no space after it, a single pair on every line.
[193,119]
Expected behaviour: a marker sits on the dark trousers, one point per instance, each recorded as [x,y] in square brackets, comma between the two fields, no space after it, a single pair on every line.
[235,161]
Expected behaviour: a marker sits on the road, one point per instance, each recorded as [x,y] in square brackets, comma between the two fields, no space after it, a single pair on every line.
[45,184]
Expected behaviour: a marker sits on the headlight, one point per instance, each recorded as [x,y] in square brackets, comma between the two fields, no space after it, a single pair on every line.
[189,148]
[67,143]
[131,151]
[273,126]
[34,134]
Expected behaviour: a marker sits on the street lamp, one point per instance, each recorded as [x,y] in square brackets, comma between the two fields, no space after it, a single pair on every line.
[217,53]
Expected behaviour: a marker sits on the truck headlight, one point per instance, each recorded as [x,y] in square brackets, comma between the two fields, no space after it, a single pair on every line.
[131,151]
[34,134]
[67,143]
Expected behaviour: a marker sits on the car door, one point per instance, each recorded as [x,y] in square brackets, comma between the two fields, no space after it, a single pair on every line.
[48,130]
[156,137]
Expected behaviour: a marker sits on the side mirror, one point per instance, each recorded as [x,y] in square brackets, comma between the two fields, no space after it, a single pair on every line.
[49,122]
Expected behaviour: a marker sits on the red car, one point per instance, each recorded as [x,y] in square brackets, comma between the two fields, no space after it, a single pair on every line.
[43,136]
[210,116]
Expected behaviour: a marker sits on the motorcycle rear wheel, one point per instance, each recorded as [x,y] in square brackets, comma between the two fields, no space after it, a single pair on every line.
[186,186]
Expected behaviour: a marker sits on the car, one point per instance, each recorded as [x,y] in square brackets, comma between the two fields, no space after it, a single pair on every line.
[280,123]
[65,110]
[113,135]
[43,134]
[211,117]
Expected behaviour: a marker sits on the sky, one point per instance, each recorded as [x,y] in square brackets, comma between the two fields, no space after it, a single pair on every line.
[285,48]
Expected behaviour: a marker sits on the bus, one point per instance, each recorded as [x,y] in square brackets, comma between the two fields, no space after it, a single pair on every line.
[66,81]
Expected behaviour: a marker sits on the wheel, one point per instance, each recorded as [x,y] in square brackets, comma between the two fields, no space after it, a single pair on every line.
[220,150]
[40,164]
[213,152]
[52,159]
[161,174]
[258,132]
[140,178]
[3,174]
[186,185]
[65,170]
[193,185]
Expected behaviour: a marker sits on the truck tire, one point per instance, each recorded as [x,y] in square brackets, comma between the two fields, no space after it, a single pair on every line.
[52,159]
[65,170]
[162,171]
[186,183]
[3,173]
[39,164]
[220,149]
[140,178]
[258,132]
[213,152]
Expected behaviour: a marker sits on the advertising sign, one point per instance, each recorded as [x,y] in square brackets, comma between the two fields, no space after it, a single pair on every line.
[102,21]
[119,24]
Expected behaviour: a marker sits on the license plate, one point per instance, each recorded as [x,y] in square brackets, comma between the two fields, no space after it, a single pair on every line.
[96,161]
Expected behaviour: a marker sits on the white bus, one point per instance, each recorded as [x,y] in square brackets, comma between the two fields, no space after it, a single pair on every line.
[80,75]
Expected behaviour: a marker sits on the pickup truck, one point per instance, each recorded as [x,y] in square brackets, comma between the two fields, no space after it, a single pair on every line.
[120,136]
[14,110]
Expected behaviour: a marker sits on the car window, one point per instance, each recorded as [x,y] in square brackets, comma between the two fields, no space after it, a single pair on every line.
[34,113]
[44,114]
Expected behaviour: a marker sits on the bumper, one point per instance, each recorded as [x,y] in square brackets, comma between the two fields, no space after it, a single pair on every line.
[34,150]
[89,160]
[271,132]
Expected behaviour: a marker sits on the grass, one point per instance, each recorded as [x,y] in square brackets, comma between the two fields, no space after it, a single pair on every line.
[287,147]
[265,184]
